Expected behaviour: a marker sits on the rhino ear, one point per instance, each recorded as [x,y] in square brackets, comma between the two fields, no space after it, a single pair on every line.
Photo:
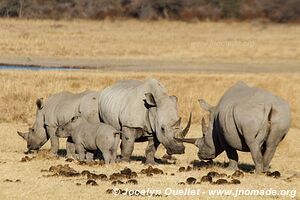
[39,103]
[74,118]
[150,100]
[23,135]
[204,105]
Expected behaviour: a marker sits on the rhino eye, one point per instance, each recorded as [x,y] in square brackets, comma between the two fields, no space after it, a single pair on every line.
[163,129]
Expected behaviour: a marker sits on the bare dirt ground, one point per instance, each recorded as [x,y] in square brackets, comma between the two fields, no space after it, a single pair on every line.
[34,185]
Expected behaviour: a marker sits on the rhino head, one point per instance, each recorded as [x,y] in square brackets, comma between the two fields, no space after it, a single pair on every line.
[165,123]
[65,130]
[36,136]
[208,149]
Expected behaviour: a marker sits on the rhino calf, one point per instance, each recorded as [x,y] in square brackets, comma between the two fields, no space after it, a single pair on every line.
[88,137]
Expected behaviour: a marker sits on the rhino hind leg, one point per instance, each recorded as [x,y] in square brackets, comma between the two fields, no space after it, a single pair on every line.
[257,157]
[271,145]
[107,157]
[152,146]
[233,158]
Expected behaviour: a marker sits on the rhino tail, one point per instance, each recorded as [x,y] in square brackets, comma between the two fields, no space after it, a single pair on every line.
[267,121]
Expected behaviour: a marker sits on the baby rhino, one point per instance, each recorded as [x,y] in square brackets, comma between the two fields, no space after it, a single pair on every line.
[89,137]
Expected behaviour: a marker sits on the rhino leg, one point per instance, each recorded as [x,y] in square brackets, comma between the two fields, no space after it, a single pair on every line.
[89,156]
[271,145]
[233,158]
[128,138]
[70,147]
[257,157]
[81,152]
[153,144]
[107,157]
[53,139]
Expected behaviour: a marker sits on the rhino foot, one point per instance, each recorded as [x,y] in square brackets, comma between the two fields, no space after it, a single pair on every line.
[233,166]
[150,162]
[169,157]
[126,160]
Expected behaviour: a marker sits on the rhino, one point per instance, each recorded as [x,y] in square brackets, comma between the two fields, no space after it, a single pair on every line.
[143,111]
[246,119]
[57,110]
[89,137]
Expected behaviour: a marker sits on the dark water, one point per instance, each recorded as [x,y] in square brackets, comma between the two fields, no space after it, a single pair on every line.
[35,68]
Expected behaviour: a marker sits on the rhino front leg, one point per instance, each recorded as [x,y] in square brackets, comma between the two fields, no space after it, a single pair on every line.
[153,144]
[128,138]
[70,147]
[81,152]
[53,139]
[233,158]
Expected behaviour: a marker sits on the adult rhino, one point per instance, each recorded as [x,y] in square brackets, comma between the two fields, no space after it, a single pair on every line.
[56,111]
[245,119]
[143,111]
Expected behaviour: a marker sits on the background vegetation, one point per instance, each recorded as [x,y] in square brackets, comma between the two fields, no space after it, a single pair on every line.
[187,10]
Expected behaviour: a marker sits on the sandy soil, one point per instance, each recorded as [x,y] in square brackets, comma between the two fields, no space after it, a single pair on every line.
[34,185]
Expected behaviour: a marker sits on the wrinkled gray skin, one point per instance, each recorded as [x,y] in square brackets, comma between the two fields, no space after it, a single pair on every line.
[143,111]
[245,119]
[88,137]
[57,110]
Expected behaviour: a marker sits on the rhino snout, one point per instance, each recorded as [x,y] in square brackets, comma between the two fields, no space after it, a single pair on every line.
[179,149]
[206,156]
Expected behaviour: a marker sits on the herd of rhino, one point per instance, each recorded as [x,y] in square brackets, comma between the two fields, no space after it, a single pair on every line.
[246,118]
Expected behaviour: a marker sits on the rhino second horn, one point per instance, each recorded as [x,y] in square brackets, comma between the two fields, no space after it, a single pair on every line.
[187,128]
[177,123]
[204,127]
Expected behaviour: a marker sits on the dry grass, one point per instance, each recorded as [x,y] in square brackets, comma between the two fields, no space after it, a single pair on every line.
[20,89]
[34,186]
[163,40]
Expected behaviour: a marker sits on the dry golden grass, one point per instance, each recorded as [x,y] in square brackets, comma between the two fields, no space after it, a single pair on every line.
[34,186]
[20,89]
[163,40]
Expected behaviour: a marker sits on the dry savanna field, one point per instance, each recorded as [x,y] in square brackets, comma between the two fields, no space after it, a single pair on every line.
[192,60]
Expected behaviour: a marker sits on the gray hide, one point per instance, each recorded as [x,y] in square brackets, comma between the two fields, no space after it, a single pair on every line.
[57,110]
[89,137]
[142,110]
[245,119]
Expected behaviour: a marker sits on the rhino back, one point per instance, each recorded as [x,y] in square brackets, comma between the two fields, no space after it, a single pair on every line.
[61,107]
[244,111]
[122,104]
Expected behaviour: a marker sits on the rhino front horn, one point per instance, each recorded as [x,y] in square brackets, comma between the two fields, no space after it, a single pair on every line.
[187,128]
[23,135]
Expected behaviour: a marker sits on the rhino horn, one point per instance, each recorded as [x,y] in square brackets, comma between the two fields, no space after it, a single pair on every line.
[187,140]
[187,128]
[23,135]
[204,127]
[177,123]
